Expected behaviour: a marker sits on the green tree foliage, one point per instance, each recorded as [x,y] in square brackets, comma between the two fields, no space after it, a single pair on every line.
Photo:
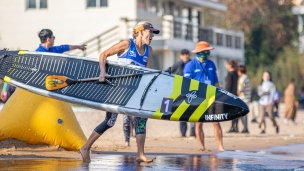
[289,64]
[270,29]
[269,26]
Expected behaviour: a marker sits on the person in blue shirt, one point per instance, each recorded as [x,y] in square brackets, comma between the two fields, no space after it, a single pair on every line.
[134,51]
[204,70]
[47,40]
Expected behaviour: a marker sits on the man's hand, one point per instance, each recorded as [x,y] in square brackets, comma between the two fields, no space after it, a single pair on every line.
[82,47]
[102,77]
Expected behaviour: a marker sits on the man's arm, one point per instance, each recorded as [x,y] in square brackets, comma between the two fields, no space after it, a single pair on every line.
[118,48]
[81,47]
[149,63]
[188,71]
[174,68]
[216,81]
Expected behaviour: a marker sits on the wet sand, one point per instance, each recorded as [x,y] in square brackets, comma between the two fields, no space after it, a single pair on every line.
[163,139]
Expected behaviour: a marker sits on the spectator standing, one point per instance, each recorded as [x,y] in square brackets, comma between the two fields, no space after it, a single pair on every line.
[231,86]
[291,103]
[244,92]
[204,70]
[178,68]
[266,92]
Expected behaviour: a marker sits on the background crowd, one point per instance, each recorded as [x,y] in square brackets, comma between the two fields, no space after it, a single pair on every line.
[263,100]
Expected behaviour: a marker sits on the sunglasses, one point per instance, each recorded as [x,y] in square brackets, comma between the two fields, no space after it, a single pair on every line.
[52,37]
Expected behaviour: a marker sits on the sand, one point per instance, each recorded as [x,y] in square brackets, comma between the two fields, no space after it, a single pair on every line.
[163,137]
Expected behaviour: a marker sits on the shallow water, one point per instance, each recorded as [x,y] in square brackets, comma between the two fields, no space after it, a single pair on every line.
[276,158]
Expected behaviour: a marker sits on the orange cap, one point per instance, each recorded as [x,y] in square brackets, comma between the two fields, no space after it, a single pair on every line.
[202,46]
[145,25]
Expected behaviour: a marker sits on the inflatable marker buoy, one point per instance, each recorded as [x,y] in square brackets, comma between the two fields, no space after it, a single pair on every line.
[37,119]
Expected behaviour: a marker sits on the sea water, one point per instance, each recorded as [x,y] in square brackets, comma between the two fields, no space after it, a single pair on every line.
[289,157]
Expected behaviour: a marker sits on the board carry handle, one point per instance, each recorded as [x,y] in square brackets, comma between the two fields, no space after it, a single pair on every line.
[55,82]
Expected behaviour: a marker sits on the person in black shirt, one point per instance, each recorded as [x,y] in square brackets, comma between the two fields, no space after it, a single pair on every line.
[231,86]
[178,68]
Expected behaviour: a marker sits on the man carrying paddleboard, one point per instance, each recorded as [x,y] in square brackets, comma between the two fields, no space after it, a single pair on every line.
[204,70]
[134,51]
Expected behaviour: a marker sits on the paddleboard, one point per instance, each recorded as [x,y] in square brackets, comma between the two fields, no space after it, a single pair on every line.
[142,92]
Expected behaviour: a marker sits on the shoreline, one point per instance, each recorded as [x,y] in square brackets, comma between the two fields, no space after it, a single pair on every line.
[18,149]
[163,138]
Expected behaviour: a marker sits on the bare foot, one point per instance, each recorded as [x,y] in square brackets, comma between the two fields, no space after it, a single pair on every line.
[145,159]
[85,155]
[204,150]
[127,144]
[221,149]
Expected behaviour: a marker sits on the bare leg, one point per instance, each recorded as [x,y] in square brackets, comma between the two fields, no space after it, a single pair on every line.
[98,131]
[141,157]
[218,135]
[140,140]
[200,135]
[140,127]
[85,150]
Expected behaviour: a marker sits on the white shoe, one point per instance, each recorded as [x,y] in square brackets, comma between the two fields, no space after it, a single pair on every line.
[292,123]
[285,121]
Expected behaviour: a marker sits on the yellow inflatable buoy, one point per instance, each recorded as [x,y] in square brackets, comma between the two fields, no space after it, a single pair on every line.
[37,119]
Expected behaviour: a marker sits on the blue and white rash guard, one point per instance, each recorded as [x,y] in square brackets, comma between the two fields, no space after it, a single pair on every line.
[133,57]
